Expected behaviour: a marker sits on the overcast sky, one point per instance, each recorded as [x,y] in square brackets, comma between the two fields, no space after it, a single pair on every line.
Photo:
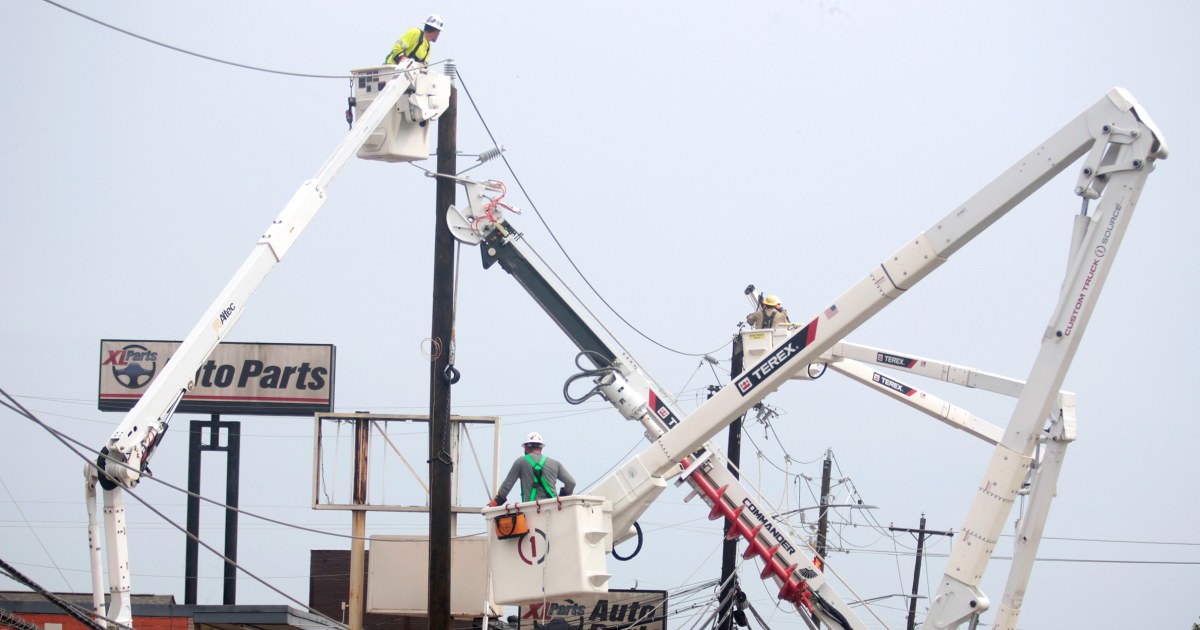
[679,151]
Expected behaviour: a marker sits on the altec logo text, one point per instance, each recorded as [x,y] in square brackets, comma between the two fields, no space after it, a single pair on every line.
[223,316]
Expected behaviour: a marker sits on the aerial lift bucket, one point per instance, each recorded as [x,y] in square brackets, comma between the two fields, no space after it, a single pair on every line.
[563,553]
[403,136]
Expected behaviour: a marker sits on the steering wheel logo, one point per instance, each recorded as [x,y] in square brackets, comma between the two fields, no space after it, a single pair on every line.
[132,366]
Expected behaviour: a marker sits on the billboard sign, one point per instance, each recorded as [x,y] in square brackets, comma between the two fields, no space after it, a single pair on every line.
[266,379]
[617,609]
[398,577]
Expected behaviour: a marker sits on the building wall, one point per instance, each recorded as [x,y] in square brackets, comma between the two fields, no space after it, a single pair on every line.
[141,623]
[329,586]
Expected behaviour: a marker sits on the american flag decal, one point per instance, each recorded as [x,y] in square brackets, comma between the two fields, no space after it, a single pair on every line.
[831,311]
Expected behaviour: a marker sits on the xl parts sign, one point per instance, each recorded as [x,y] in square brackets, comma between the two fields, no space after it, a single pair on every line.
[615,610]
[238,378]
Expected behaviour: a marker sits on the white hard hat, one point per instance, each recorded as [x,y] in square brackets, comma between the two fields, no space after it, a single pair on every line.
[534,438]
[435,21]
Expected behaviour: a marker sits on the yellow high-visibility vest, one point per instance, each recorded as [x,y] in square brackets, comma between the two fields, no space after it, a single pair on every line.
[412,44]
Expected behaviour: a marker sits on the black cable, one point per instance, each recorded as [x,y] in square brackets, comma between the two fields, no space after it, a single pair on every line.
[24,412]
[636,549]
[54,599]
[9,618]
[558,243]
[65,438]
[194,54]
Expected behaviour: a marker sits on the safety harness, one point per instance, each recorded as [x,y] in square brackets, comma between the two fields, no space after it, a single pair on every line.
[412,54]
[538,479]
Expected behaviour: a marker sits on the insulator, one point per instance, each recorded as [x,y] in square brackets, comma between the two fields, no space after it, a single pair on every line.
[450,69]
[490,154]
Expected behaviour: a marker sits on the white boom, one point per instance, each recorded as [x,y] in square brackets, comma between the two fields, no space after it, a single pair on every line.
[853,360]
[410,92]
[1121,145]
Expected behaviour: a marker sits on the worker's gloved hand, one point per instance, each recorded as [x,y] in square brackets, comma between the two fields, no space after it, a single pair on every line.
[492,503]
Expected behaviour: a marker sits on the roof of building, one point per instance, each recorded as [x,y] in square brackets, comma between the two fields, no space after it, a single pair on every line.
[210,617]
[83,599]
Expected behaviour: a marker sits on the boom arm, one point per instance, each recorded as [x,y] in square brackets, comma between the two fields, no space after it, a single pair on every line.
[412,92]
[620,381]
[135,438]
[1121,145]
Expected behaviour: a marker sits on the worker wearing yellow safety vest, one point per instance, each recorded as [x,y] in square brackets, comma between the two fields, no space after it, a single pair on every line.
[416,43]
[769,314]
[539,475]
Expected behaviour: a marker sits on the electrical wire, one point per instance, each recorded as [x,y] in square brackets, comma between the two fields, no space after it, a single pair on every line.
[554,237]
[67,441]
[35,535]
[620,461]
[540,218]
[184,51]
[15,621]
[17,576]
[64,439]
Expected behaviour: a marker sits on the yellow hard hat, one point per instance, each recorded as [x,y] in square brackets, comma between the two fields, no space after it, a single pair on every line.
[771,300]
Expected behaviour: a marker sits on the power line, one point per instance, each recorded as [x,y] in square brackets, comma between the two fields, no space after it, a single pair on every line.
[35,534]
[13,405]
[1038,559]
[553,237]
[71,610]
[192,53]
[20,623]
[65,439]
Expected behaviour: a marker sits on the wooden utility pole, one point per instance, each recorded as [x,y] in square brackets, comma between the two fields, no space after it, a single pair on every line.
[921,534]
[823,513]
[441,466]
[729,583]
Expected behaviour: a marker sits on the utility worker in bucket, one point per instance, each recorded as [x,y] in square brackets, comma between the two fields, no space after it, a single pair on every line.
[539,475]
[769,314]
[416,43]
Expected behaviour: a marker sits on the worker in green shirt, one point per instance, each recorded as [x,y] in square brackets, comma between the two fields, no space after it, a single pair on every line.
[539,475]
[416,43]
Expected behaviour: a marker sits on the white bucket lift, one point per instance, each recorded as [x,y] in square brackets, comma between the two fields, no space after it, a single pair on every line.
[403,136]
[562,555]
[757,343]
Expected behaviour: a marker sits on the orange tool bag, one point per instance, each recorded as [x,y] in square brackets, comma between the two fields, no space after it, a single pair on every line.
[511,526]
